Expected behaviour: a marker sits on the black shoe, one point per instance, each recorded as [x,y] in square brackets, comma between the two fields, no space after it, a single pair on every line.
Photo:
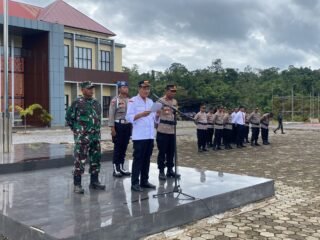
[257,144]
[123,171]
[283,133]
[162,176]
[204,149]
[275,131]
[243,146]
[77,185]
[136,188]
[78,189]
[95,183]
[147,185]
[116,170]
[200,150]
[219,148]
[172,174]
[229,146]
[265,143]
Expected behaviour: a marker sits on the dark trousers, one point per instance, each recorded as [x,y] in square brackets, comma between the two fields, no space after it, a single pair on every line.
[255,134]
[142,151]
[264,134]
[227,136]
[217,137]
[240,134]
[280,126]
[202,138]
[121,141]
[246,133]
[210,136]
[234,133]
[166,147]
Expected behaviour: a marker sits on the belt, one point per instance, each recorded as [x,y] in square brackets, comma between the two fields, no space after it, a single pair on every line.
[210,123]
[122,121]
[168,122]
[218,124]
[202,123]
[257,124]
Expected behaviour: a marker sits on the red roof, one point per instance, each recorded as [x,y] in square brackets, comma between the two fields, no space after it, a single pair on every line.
[21,10]
[57,12]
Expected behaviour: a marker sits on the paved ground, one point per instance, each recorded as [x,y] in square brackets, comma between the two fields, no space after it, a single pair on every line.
[294,213]
[292,160]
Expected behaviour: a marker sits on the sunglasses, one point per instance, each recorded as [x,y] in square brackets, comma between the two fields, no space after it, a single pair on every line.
[173,91]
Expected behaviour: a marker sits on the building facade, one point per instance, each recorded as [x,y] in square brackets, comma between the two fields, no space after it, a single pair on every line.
[51,51]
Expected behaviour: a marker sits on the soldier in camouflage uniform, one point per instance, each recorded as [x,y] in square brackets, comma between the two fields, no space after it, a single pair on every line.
[120,129]
[84,119]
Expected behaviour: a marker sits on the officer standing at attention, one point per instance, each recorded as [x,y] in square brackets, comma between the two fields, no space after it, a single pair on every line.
[218,128]
[201,120]
[265,127]
[120,129]
[210,129]
[143,123]
[254,120]
[165,133]
[84,119]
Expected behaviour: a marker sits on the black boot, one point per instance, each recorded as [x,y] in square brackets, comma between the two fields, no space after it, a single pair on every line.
[171,173]
[95,183]
[162,176]
[123,171]
[116,170]
[77,185]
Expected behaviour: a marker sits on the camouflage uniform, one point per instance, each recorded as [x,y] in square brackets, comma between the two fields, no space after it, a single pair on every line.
[84,119]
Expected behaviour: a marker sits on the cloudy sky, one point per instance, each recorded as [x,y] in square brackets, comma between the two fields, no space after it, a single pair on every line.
[259,33]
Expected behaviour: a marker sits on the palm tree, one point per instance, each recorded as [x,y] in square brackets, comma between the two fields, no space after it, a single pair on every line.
[23,113]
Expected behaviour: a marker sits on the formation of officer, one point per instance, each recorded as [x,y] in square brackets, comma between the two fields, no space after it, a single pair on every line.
[120,129]
[84,119]
[143,125]
[166,141]
[232,127]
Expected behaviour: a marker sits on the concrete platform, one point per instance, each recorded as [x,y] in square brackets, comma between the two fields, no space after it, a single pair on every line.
[41,205]
[36,156]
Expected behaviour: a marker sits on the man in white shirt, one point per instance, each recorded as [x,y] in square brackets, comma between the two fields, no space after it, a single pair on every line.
[239,120]
[143,122]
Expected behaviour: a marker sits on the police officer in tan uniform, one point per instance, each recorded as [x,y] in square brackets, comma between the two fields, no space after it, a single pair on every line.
[210,129]
[264,121]
[165,133]
[120,129]
[227,129]
[201,121]
[254,120]
[218,128]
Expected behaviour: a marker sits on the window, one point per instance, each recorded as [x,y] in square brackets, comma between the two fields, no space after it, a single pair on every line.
[83,58]
[104,60]
[105,106]
[66,56]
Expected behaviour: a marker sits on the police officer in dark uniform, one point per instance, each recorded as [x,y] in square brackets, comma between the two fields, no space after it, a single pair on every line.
[120,129]
[84,119]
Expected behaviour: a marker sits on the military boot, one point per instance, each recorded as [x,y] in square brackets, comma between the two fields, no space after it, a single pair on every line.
[172,174]
[162,176]
[116,170]
[95,183]
[77,185]
[123,171]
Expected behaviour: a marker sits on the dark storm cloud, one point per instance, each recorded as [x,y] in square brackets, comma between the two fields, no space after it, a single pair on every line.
[240,32]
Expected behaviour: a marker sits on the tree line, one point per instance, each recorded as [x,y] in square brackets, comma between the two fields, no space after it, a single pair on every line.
[230,87]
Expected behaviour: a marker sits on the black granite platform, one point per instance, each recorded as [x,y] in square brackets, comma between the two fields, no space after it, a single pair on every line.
[36,156]
[41,205]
